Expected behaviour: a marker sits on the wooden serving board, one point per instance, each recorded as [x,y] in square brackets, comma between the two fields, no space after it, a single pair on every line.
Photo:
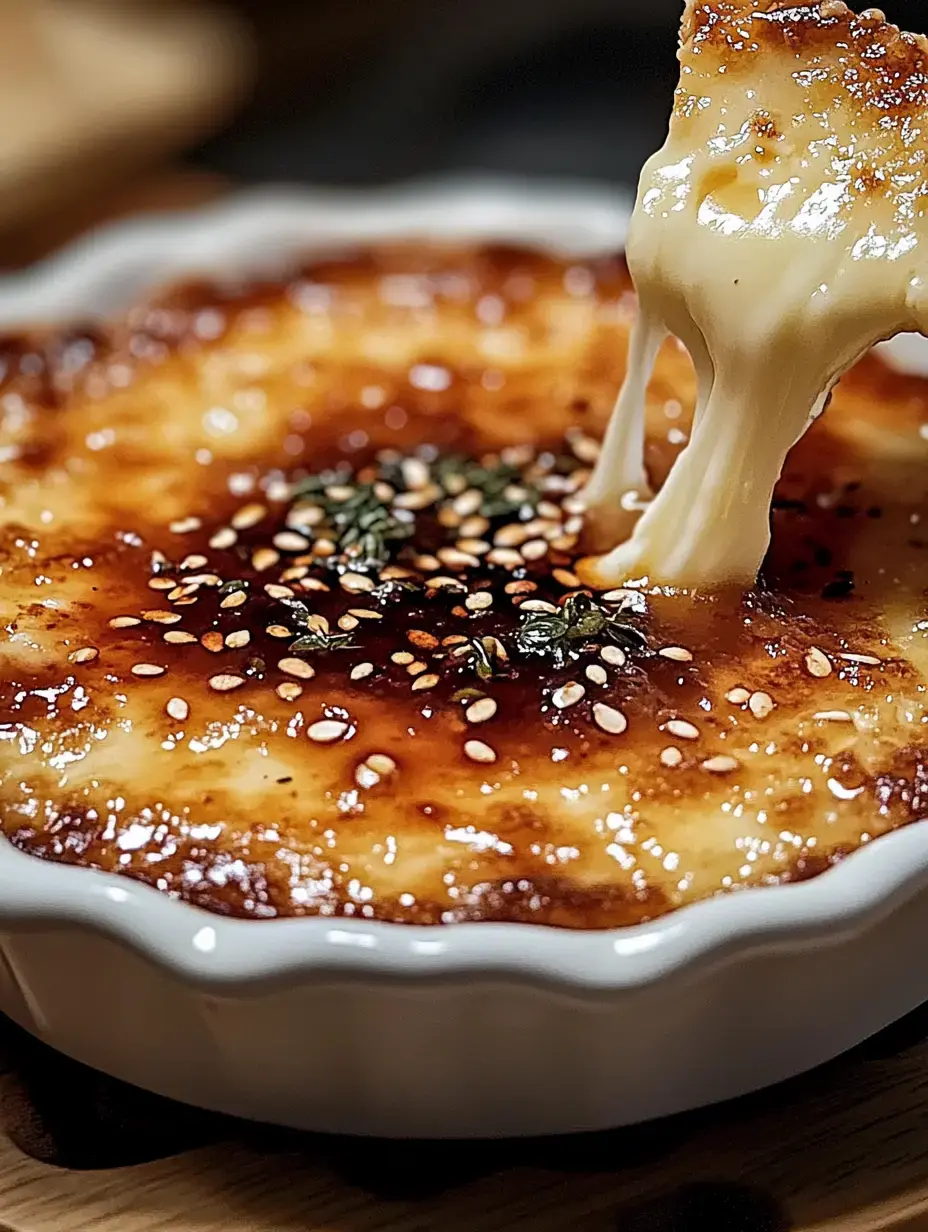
[844,1148]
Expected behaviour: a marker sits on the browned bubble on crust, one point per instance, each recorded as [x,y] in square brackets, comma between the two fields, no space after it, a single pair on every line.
[158,717]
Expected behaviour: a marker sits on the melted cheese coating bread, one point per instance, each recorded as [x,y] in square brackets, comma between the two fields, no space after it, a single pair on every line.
[780,232]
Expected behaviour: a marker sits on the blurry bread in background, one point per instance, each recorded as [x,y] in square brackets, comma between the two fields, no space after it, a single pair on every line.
[94,91]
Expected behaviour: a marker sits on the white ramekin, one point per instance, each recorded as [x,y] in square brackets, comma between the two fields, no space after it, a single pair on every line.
[473,1029]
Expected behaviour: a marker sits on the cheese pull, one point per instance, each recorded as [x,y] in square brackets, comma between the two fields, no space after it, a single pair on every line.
[779,233]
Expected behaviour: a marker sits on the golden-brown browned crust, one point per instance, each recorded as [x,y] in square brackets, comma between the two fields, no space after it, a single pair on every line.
[124,452]
[876,63]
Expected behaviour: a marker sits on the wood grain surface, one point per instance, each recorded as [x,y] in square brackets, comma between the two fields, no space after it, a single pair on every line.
[844,1149]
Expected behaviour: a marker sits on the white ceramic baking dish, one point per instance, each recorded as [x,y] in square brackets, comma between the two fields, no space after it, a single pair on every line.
[473,1029]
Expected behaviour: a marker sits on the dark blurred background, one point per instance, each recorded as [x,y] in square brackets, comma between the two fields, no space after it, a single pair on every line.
[366,91]
[107,106]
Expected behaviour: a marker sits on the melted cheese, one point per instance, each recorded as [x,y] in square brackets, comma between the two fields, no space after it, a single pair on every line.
[779,233]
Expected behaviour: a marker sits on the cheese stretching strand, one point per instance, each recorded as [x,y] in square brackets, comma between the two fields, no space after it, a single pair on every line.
[779,233]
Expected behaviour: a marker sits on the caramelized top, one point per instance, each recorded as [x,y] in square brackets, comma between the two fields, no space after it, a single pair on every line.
[291,625]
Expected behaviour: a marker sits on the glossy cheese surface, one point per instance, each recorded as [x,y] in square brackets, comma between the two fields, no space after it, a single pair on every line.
[426,754]
[780,231]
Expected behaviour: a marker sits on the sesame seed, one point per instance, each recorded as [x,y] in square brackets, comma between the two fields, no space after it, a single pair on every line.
[364,613]
[671,756]
[247,516]
[679,654]
[452,558]
[720,764]
[124,622]
[522,587]
[162,618]
[418,499]
[327,730]
[295,573]
[278,592]
[366,776]
[476,750]
[264,559]
[511,535]
[278,631]
[305,515]
[147,669]
[339,491]
[473,528]
[568,694]
[596,674]
[868,660]
[479,601]
[538,605]
[425,682]
[737,696]
[626,597]
[361,670]
[355,583]
[289,691]
[184,601]
[402,657]
[818,663]
[609,719]
[682,729]
[224,538]
[382,763]
[178,638]
[237,639]
[184,526]
[297,667]
[467,503]
[225,682]
[290,541]
[565,578]
[761,704]
[422,640]
[212,641]
[346,622]
[160,583]
[236,599]
[415,473]
[86,654]
[564,543]
[177,708]
[833,716]
[481,710]
[585,448]
[477,547]
[534,549]
[506,558]
[613,655]
[417,668]
[193,562]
